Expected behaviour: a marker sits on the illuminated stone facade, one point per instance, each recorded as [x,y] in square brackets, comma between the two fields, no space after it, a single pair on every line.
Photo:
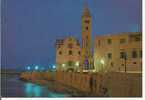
[68,54]
[119,52]
[87,58]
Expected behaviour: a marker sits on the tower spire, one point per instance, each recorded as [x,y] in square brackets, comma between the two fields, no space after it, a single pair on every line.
[86,11]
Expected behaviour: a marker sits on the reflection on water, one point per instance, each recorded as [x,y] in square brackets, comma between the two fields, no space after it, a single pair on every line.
[12,87]
[37,91]
[28,89]
[55,95]
[33,90]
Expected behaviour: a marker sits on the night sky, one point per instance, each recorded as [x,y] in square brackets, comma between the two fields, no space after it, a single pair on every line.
[30,27]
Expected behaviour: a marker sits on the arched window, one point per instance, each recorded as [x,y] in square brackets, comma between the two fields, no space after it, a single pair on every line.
[79,52]
[60,52]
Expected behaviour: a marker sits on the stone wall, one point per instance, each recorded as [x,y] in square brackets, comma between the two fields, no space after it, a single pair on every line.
[37,76]
[107,84]
[123,84]
[111,84]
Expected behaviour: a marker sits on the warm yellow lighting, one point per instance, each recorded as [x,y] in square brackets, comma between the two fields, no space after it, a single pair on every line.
[63,65]
[85,71]
[94,70]
[102,61]
[77,63]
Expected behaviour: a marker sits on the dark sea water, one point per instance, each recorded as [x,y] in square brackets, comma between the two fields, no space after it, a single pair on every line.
[11,86]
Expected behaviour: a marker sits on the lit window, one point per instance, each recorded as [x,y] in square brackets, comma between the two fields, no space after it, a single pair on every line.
[109,41]
[134,54]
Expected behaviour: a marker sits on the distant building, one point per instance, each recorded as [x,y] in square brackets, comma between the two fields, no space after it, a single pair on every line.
[118,52]
[68,54]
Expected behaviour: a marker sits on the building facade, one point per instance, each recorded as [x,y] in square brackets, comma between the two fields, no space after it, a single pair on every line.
[87,58]
[119,52]
[68,54]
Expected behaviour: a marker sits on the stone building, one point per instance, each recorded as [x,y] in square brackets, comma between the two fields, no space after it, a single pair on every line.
[113,52]
[118,52]
[68,54]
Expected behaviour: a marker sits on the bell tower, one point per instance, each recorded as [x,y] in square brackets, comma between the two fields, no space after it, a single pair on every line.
[86,21]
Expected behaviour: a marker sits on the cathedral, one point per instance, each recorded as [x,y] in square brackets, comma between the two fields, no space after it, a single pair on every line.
[69,60]
[121,52]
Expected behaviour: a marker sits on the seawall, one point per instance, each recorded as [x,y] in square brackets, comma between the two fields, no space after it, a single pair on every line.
[111,84]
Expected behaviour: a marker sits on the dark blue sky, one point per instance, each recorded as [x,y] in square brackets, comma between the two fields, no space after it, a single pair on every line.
[30,27]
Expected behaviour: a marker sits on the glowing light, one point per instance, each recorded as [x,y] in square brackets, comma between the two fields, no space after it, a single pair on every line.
[94,70]
[102,61]
[63,65]
[36,67]
[77,63]
[28,68]
[53,66]
[85,71]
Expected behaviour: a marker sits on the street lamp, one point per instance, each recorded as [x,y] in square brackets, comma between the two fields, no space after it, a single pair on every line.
[36,67]
[125,58]
[77,63]
[102,62]
[63,66]
[28,68]
[53,66]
